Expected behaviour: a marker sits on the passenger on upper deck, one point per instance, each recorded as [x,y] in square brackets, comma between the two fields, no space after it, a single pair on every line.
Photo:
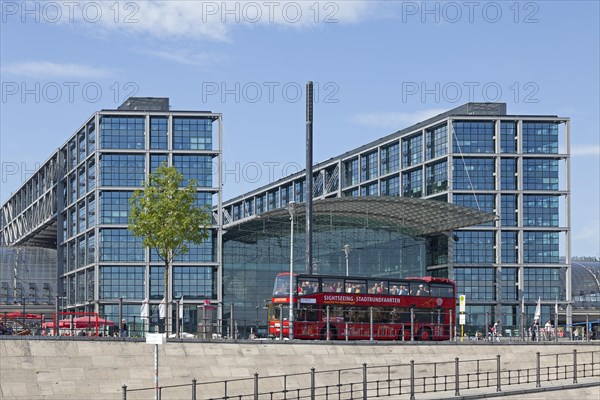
[310,287]
[422,291]
[374,289]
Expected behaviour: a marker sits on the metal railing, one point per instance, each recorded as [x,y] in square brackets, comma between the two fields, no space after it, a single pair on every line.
[411,379]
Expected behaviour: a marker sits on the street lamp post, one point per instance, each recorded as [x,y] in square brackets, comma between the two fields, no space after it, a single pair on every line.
[347,253]
[58,308]
[292,211]
[23,303]
[257,320]
[120,323]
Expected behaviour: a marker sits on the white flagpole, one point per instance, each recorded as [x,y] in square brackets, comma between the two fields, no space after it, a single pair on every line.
[538,310]
[536,318]
[145,314]
[180,311]
[179,316]
[556,320]
[523,330]
[162,311]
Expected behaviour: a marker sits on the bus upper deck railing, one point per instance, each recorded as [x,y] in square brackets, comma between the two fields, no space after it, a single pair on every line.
[411,379]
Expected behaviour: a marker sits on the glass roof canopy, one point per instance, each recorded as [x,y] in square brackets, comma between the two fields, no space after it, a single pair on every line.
[412,216]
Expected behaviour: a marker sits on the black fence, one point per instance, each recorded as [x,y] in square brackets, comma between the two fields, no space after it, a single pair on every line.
[409,379]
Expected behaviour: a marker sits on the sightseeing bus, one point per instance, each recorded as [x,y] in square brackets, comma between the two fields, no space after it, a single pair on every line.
[362,308]
[589,328]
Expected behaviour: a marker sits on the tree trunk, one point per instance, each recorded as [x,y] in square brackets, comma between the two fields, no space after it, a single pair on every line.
[167,301]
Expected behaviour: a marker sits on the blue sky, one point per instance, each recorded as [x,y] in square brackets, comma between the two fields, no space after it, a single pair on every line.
[379,66]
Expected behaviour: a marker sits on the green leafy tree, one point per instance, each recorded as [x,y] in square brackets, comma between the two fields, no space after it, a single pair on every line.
[164,214]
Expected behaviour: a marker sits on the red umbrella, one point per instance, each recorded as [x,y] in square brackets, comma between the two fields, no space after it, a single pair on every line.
[90,322]
[18,314]
[65,323]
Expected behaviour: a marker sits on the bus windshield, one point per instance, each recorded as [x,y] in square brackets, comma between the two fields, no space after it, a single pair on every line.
[282,286]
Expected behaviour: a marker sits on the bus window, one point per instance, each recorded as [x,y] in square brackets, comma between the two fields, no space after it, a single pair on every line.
[377,287]
[308,285]
[346,315]
[355,286]
[439,290]
[336,313]
[274,313]
[383,316]
[312,313]
[398,314]
[301,314]
[398,288]
[330,285]
[357,315]
[419,289]
[308,313]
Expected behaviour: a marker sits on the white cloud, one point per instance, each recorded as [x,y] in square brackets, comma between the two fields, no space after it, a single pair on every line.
[172,19]
[47,69]
[213,20]
[586,238]
[585,150]
[395,120]
[588,231]
[187,57]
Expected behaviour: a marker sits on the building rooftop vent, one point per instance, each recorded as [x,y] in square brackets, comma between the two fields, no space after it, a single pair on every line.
[145,104]
[481,109]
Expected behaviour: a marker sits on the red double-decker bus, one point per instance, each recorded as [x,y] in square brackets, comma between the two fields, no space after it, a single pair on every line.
[360,308]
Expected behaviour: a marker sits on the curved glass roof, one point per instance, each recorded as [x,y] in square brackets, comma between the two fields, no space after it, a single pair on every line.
[586,284]
[413,216]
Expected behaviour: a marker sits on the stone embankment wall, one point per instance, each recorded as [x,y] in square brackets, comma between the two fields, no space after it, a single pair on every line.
[93,369]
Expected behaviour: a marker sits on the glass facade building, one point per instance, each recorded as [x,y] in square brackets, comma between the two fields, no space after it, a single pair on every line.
[476,155]
[77,203]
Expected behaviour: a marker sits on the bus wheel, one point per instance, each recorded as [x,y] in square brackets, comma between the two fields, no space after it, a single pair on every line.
[332,334]
[424,334]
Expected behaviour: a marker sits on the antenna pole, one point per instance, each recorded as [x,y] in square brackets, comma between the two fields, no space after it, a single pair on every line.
[309,173]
